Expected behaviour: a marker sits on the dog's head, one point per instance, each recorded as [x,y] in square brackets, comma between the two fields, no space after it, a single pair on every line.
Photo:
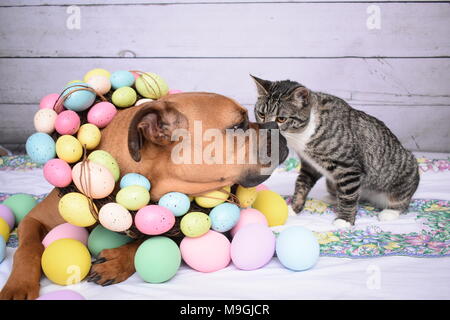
[198,142]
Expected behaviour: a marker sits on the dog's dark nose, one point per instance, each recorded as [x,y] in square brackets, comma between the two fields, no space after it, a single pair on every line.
[283,150]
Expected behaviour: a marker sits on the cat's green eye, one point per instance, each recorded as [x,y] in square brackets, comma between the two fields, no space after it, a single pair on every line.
[281,119]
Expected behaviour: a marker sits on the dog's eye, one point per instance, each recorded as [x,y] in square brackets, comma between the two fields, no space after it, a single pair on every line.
[281,119]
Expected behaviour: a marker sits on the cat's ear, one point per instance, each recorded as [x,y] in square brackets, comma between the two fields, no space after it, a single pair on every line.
[262,85]
[300,93]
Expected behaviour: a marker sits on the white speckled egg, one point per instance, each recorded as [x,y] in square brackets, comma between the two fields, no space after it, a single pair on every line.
[44,120]
[93,179]
[115,217]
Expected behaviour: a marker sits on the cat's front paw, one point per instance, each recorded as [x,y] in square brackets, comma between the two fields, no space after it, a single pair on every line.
[297,206]
[388,215]
[341,224]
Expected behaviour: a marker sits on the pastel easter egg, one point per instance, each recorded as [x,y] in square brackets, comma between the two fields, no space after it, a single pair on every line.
[58,173]
[48,101]
[252,247]
[64,258]
[246,196]
[142,101]
[101,114]
[69,149]
[20,204]
[100,84]
[135,179]
[75,209]
[89,136]
[105,159]
[96,72]
[124,97]
[4,230]
[154,220]
[115,217]
[121,78]
[44,120]
[273,206]
[249,216]
[67,122]
[174,91]
[224,217]
[66,231]
[195,224]
[157,259]
[176,202]
[208,253]
[79,97]
[93,179]
[133,197]
[261,187]
[101,238]
[297,248]
[62,295]
[40,147]
[7,215]
[150,85]
[214,198]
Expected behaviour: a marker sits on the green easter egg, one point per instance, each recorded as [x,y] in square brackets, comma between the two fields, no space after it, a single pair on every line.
[133,197]
[124,97]
[151,86]
[107,160]
[102,238]
[20,204]
[195,224]
[157,259]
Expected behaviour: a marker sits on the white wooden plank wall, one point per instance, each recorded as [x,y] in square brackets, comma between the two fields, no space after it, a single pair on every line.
[399,73]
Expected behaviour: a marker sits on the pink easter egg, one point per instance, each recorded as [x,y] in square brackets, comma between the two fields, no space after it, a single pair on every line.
[7,215]
[101,114]
[252,247]
[249,216]
[207,253]
[93,179]
[261,187]
[58,173]
[48,101]
[67,122]
[154,220]
[174,91]
[66,231]
[135,75]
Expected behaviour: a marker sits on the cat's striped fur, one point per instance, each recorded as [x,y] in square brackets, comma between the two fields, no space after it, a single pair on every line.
[356,152]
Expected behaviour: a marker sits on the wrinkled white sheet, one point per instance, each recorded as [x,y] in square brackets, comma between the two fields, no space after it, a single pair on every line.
[332,278]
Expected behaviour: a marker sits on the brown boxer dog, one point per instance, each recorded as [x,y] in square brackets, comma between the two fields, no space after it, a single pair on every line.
[140,139]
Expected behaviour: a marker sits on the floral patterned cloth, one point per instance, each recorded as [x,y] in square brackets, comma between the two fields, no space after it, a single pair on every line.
[432,241]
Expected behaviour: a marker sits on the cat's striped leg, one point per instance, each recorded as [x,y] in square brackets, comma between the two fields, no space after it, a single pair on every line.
[306,179]
[348,191]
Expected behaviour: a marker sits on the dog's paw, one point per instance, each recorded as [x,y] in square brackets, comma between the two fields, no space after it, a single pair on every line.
[341,224]
[112,266]
[20,291]
[388,215]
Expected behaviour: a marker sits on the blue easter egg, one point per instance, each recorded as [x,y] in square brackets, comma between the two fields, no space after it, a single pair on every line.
[224,216]
[176,202]
[40,147]
[297,248]
[121,78]
[2,249]
[78,100]
[135,179]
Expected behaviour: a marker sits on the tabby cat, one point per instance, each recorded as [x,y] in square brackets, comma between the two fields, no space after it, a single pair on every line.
[358,155]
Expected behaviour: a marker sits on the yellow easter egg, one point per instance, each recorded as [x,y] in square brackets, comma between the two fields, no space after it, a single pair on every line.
[151,85]
[212,199]
[66,261]
[273,206]
[69,149]
[93,179]
[74,208]
[96,72]
[133,197]
[4,230]
[195,224]
[89,135]
[246,196]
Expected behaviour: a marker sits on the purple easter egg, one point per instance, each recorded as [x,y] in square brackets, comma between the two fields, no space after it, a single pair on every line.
[7,215]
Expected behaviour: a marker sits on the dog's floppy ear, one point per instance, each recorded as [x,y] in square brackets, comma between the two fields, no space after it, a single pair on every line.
[154,122]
